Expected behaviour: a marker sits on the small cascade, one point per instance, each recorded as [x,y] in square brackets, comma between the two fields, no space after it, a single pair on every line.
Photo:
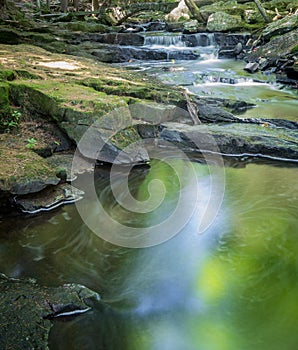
[181,40]
[205,39]
[164,40]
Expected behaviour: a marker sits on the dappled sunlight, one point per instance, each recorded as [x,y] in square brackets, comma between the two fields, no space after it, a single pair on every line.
[60,65]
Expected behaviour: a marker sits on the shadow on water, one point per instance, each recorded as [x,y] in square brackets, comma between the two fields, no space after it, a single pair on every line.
[233,287]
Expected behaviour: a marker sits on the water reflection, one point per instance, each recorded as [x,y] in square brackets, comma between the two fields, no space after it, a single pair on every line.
[235,287]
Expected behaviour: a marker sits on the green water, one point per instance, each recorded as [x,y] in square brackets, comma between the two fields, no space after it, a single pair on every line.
[233,287]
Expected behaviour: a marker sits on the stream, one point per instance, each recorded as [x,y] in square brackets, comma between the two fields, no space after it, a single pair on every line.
[233,286]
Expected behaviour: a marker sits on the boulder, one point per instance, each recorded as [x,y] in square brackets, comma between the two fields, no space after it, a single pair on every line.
[252,67]
[279,27]
[191,27]
[181,12]
[223,22]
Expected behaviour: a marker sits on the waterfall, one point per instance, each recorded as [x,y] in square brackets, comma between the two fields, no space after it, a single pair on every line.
[181,40]
[164,40]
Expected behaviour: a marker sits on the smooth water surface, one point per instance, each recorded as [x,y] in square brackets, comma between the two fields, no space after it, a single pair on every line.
[233,287]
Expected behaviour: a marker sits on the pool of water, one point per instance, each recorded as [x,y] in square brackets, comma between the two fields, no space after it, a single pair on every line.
[231,287]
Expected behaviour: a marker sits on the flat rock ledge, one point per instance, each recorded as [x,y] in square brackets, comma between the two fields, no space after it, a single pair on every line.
[28,308]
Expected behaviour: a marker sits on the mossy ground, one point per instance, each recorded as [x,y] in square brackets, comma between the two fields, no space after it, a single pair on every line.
[63,90]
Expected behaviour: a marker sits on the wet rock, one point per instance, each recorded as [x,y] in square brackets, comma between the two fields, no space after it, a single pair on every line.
[118,39]
[252,67]
[200,39]
[154,26]
[48,199]
[231,40]
[232,139]
[174,27]
[222,22]
[118,54]
[27,307]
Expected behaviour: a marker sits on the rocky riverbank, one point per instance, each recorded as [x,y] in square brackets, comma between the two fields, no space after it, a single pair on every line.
[54,88]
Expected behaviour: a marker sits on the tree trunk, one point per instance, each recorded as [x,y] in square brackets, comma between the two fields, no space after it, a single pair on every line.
[76,5]
[95,5]
[2,4]
[194,10]
[262,11]
[3,9]
[63,6]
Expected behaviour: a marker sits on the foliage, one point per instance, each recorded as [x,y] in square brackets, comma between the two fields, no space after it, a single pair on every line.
[11,121]
[31,142]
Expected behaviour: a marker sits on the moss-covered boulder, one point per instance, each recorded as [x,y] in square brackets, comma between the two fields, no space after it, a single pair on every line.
[23,171]
[223,22]
[282,26]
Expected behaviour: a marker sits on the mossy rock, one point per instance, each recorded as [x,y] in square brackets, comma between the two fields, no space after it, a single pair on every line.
[27,308]
[23,171]
[86,27]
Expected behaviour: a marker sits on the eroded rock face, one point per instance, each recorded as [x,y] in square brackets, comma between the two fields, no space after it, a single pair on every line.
[50,198]
[26,310]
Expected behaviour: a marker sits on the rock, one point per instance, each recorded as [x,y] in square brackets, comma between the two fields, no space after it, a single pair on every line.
[181,12]
[174,27]
[118,54]
[191,27]
[26,310]
[233,139]
[118,39]
[155,113]
[223,22]
[252,67]
[231,40]
[280,46]
[199,39]
[50,198]
[154,26]
[282,26]
[214,114]
[23,171]
[10,36]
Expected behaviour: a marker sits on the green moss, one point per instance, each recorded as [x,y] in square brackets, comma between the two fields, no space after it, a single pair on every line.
[7,75]
[294,49]
[125,137]
[87,27]
[20,165]
[5,109]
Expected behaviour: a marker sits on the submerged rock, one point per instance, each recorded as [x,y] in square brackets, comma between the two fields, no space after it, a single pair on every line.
[26,310]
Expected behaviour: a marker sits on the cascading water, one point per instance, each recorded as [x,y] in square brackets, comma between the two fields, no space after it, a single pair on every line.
[164,40]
